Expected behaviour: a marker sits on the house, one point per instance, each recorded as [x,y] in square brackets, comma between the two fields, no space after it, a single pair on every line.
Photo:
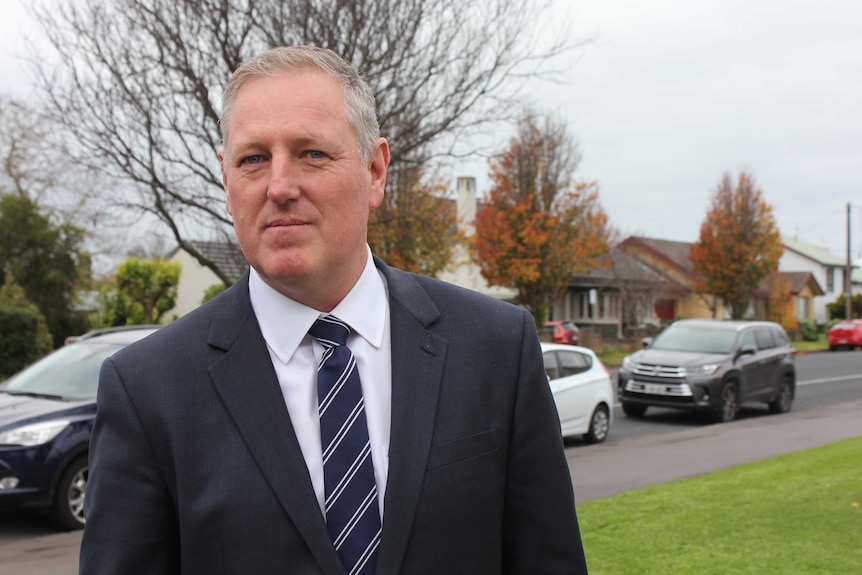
[798,300]
[195,279]
[615,300]
[679,299]
[827,268]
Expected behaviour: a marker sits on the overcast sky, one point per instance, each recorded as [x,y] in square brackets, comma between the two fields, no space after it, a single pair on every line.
[672,93]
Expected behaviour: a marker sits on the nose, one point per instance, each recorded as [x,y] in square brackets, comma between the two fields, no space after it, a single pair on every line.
[284,180]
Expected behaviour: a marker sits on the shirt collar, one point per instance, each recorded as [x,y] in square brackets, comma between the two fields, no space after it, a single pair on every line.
[285,322]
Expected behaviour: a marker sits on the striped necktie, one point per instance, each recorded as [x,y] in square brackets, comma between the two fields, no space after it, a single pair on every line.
[352,512]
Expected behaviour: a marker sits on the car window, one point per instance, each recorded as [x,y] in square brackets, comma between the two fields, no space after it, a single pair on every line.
[748,339]
[551,369]
[573,362]
[844,326]
[780,337]
[71,372]
[569,326]
[695,339]
[764,338]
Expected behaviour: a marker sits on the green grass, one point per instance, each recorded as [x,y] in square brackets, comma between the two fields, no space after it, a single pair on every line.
[798,514]
[612,356]
[822,344]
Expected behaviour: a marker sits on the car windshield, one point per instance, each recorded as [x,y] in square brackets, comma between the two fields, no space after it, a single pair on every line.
[71,372]
[843,326]
[695,339]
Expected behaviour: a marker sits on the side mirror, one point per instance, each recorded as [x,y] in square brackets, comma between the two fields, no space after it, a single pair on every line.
[646,342]
[746,350]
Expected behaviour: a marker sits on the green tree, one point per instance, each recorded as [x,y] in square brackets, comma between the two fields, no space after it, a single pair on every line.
[539,226]
[148,285]
[12,296]
[838,308]
[45,259]
[739,244]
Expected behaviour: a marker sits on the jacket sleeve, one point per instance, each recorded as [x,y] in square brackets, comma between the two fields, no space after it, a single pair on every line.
[125,534]
[541,534]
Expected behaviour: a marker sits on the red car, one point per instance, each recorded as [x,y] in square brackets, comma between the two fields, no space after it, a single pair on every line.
[847,334]
[562,331]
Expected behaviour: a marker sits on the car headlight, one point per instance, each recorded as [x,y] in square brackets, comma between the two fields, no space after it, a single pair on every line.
[707,369]
[628,363]
[33,434]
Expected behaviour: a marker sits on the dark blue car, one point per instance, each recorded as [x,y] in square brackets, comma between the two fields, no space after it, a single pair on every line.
[46,416]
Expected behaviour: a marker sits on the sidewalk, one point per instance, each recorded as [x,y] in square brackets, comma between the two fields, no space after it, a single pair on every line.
[612,468]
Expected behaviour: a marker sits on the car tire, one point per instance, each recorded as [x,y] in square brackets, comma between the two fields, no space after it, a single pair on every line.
[599,425]
[67,512]
[728,403]
[634,410]
[784,399]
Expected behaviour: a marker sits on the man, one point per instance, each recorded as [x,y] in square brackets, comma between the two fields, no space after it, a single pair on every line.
[209,453]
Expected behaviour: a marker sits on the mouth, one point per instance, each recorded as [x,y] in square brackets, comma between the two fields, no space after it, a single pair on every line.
[285,223]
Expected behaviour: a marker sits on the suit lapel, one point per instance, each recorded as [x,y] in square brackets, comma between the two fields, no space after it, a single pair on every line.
[417,366]
[246,382]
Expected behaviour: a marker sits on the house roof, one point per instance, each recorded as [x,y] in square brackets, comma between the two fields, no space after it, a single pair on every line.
[227,256]
[618,266]
[812,252]
[675,253]
[797,281]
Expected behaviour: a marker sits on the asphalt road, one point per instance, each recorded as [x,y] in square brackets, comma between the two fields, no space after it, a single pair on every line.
[664,446]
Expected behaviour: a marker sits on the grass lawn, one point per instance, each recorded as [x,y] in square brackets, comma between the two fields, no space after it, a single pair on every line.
[822,344]
[799,514]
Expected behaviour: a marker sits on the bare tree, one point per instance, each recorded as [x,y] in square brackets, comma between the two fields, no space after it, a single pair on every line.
[138,82]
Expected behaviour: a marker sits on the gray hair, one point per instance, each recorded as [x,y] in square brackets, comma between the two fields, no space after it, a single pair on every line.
[359,99]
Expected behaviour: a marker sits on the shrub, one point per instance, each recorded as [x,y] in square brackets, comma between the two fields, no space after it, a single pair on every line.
[18,340]
[808,329]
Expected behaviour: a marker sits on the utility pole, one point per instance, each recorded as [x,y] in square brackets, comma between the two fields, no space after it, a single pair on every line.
[848,300]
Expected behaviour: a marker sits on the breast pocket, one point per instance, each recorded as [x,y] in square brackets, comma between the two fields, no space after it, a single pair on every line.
[463,449]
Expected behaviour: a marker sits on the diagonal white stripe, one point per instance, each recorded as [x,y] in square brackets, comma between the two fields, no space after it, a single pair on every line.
[348,476]
[366,555]
[354,520]
[358,409]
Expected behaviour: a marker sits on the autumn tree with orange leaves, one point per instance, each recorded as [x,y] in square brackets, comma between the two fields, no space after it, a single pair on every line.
[739,244]
[538,226]
[414,229]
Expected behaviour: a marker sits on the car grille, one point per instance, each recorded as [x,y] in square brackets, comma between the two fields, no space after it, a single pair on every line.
[649,370]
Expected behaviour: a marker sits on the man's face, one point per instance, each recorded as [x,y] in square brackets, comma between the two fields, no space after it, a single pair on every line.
[297,188]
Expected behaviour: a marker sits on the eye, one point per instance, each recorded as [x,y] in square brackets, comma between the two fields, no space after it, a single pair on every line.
[315,154]
[254,159]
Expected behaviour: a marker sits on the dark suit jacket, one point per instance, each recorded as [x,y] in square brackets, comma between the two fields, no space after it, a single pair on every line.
[195,468]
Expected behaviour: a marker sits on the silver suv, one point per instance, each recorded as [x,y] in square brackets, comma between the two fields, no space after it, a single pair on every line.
[711,366]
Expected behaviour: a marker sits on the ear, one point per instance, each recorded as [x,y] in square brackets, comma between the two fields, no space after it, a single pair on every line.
[378,164]
[221,161]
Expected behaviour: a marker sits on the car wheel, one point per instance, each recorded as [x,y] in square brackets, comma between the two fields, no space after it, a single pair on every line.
[728,404]
[634,410]
[599,425]
[68,510]
[784,399]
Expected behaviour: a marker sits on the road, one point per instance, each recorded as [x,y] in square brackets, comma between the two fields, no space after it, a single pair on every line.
[664,446]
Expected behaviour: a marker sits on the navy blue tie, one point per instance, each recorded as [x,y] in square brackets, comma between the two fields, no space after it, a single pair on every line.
[352,512]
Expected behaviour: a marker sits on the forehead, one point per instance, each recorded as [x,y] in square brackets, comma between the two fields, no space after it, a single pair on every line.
[285,99]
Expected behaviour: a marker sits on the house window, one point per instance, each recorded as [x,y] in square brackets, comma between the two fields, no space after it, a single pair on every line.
[802,308]
[830,280]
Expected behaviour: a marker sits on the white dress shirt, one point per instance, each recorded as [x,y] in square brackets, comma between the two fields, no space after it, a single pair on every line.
[295,356]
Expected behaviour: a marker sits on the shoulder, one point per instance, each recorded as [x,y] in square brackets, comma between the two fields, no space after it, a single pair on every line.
[189,336]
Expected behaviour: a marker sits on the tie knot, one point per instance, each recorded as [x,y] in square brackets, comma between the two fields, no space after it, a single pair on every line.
[330,331]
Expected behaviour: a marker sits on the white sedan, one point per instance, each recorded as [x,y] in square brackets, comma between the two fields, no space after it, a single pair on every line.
[582,390]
